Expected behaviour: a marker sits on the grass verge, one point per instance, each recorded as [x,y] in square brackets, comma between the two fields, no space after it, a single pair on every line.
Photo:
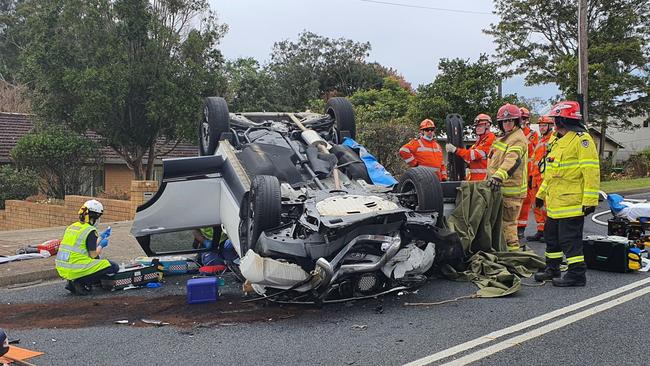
[624,184]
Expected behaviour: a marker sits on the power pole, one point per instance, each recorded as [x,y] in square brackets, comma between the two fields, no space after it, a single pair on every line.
[582,59]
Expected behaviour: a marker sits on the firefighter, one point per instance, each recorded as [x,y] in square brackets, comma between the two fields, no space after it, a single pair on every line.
[533,140]
[508,169]
[425,150]
[570,191]
[546,131]
[476,156]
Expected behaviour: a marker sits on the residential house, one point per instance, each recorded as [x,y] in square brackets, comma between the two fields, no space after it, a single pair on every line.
[633,141]
[115,178]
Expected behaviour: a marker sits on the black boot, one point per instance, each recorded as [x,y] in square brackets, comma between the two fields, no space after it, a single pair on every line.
[574,277]
[551,271]
[539,236]
[520,232]
[70,287]
[81,289]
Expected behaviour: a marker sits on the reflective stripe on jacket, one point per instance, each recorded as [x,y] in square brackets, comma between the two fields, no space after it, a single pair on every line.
[508,161]
[572,175]
[72,260]
[476,156]
[426,153]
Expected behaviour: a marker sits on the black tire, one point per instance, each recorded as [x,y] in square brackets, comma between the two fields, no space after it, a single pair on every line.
[341,110]
[263,211]
[215,120]
[454,126]
[428,191]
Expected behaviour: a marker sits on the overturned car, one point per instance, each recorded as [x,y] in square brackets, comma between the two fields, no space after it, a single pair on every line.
[312,216]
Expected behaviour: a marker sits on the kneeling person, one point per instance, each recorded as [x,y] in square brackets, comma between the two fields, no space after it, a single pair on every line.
[78,258]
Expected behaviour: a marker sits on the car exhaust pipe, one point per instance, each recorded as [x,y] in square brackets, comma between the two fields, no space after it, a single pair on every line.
[330,271]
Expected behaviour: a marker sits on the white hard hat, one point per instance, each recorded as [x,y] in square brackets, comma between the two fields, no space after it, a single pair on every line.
[94,206]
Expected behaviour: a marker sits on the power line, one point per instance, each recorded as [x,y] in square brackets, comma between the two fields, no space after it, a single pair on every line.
[428,7]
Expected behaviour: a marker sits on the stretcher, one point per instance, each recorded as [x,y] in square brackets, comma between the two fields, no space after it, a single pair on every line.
[630,218]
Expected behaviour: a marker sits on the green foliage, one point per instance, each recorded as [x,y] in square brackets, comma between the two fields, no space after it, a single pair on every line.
[131,70]
[252,88]
[65,162]
[461,87]
[381,113]
[317,67]
[16,184]
[542,45]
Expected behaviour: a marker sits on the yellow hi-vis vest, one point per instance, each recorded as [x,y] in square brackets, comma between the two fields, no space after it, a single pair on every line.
[572,175]
[508,160]
[72,260]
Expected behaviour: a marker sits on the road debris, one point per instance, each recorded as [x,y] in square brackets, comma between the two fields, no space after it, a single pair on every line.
[121,322]
[359,327]
[159,323]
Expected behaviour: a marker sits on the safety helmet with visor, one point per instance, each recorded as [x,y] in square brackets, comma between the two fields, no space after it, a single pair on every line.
[507,113]
[482,124]
[566,114]
[90,212]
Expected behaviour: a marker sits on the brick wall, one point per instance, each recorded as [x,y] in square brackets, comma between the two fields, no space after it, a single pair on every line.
[117,178]
[28,215]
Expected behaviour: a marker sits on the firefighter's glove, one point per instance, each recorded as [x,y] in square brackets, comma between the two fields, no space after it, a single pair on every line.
[539,203]
[495,183]
[103,243]
[586,210]
[530,182]
[450,148]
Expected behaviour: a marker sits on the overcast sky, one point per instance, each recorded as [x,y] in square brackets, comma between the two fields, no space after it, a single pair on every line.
[409,39]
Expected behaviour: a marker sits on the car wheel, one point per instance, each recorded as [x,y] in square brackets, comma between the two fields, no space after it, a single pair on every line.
[264,204]
[426,188]
[341,110]
[215,120]
[456,165]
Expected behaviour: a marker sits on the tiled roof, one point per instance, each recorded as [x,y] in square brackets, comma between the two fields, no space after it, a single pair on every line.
[14,125]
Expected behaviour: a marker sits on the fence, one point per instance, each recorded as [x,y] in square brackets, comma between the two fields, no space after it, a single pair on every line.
[29,215]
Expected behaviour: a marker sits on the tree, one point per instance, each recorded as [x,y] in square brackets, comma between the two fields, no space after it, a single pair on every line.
[460,87]
[251,87]
[134,71]
[10,42]
[319,67]
[538,39]
[381,113]
[65,162]
[16,184]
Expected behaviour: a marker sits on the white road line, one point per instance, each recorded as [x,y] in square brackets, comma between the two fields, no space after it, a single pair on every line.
[523,325]
[546,329]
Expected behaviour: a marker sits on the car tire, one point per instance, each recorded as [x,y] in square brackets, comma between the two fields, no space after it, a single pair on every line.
[263,211]
[215,120]
[428,191]
[341,110]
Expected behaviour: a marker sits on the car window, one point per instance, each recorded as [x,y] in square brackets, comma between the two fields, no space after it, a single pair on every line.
[172,242]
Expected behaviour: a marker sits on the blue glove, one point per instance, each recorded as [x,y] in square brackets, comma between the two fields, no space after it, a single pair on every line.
[207,243]
[103,243]
[106,233]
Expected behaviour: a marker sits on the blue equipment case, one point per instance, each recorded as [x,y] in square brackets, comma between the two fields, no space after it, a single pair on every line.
[201,290]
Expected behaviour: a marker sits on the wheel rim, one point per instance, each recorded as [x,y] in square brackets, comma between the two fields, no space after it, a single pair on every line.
[205,130]
[412,201]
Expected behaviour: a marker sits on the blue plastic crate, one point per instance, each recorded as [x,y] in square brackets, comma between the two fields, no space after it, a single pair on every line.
[201,290]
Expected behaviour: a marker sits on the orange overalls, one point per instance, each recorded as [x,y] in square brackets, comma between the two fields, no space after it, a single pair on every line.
[425,153]
[540,153]
[533,140]
[477,155]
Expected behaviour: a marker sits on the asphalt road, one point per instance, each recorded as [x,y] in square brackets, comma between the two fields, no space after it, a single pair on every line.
[374,332]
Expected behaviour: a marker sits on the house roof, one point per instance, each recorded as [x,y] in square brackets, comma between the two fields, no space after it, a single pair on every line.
[15,125]
[596,132]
